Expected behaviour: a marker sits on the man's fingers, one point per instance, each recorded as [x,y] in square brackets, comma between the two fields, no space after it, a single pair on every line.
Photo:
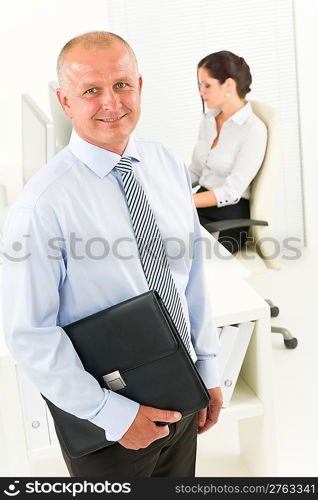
[202,417]
[156,415]
[212,418]
[208,424]
[163,431]
[143,430]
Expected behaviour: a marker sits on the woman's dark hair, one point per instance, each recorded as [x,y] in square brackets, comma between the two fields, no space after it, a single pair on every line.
[224,64]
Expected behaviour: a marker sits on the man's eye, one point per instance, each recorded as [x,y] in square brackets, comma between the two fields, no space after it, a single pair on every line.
[121,85]
[90,91]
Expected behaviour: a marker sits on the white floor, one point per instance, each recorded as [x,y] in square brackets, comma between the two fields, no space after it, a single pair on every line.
[295,289]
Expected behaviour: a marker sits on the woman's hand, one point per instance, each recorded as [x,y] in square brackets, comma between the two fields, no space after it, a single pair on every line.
[205,199]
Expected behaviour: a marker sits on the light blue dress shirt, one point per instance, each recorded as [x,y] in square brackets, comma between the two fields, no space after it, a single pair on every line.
[70,251]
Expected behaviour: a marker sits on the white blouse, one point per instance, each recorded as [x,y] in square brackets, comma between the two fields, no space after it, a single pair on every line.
[229,167]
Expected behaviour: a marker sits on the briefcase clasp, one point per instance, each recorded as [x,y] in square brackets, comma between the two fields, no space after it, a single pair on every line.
[114,381]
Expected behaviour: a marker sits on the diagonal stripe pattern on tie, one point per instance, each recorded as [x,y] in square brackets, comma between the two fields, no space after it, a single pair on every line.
[151,248]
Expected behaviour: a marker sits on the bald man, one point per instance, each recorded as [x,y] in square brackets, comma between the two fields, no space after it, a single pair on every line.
[80,256]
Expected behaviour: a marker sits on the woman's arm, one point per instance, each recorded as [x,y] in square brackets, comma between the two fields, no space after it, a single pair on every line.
[205,199]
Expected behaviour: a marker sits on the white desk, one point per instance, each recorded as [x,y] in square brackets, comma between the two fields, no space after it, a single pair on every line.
[233,301]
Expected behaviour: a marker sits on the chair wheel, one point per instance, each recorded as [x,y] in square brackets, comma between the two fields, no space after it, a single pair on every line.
[291,343]
[274,311]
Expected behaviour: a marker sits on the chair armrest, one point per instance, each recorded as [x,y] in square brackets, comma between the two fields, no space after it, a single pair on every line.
[223,225]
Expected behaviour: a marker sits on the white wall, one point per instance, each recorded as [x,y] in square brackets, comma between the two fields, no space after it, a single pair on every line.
[306,17]
[31,35]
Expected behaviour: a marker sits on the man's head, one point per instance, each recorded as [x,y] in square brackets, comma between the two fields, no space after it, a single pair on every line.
[100,88]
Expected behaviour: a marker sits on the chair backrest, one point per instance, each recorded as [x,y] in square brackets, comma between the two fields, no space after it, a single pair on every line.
[263,188]
[62,125]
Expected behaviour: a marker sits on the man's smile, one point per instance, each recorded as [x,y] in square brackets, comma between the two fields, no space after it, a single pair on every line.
[111,120]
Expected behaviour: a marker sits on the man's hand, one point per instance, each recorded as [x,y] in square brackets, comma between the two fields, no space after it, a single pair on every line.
[144,431]
[209,416]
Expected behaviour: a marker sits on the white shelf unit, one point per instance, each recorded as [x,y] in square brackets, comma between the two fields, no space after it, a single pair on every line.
[251,407]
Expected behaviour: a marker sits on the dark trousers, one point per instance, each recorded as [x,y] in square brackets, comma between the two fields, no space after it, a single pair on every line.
[173,455]
[232,239]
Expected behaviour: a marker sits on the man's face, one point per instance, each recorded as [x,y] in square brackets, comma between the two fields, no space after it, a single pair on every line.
[102,95]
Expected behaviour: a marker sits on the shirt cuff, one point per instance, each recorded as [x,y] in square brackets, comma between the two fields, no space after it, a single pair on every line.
[208,370]
[116,415]
[222,198]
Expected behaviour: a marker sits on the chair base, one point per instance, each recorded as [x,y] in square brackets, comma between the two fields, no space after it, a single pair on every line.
[289,341]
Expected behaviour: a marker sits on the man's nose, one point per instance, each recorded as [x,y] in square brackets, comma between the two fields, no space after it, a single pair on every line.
[110,100]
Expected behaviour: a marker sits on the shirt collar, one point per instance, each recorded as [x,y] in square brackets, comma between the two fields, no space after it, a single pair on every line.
[242,114]
[99,160]
[239,117]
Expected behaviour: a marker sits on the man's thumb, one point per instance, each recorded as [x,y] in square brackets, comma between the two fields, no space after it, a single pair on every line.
[157,415]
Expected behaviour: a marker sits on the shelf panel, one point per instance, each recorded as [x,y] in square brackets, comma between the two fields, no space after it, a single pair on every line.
[244,403]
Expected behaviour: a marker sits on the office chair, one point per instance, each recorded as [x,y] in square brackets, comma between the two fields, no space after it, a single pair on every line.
[62,125]
[257,255]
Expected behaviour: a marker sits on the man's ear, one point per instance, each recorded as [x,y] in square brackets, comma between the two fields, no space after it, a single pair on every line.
[140,83]
[63,100]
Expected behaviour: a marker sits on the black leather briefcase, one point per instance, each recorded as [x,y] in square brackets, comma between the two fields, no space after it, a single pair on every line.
[132,348]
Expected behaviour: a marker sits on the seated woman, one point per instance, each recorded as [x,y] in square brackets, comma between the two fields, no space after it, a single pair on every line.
[230,147]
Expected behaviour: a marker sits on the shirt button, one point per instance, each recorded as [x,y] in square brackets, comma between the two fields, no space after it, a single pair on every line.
[221,202]
[226,201]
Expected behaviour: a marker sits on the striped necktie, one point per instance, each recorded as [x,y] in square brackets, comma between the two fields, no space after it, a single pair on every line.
[151,248]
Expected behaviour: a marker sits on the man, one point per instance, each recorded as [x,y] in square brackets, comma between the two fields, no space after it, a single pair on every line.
[71,250]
